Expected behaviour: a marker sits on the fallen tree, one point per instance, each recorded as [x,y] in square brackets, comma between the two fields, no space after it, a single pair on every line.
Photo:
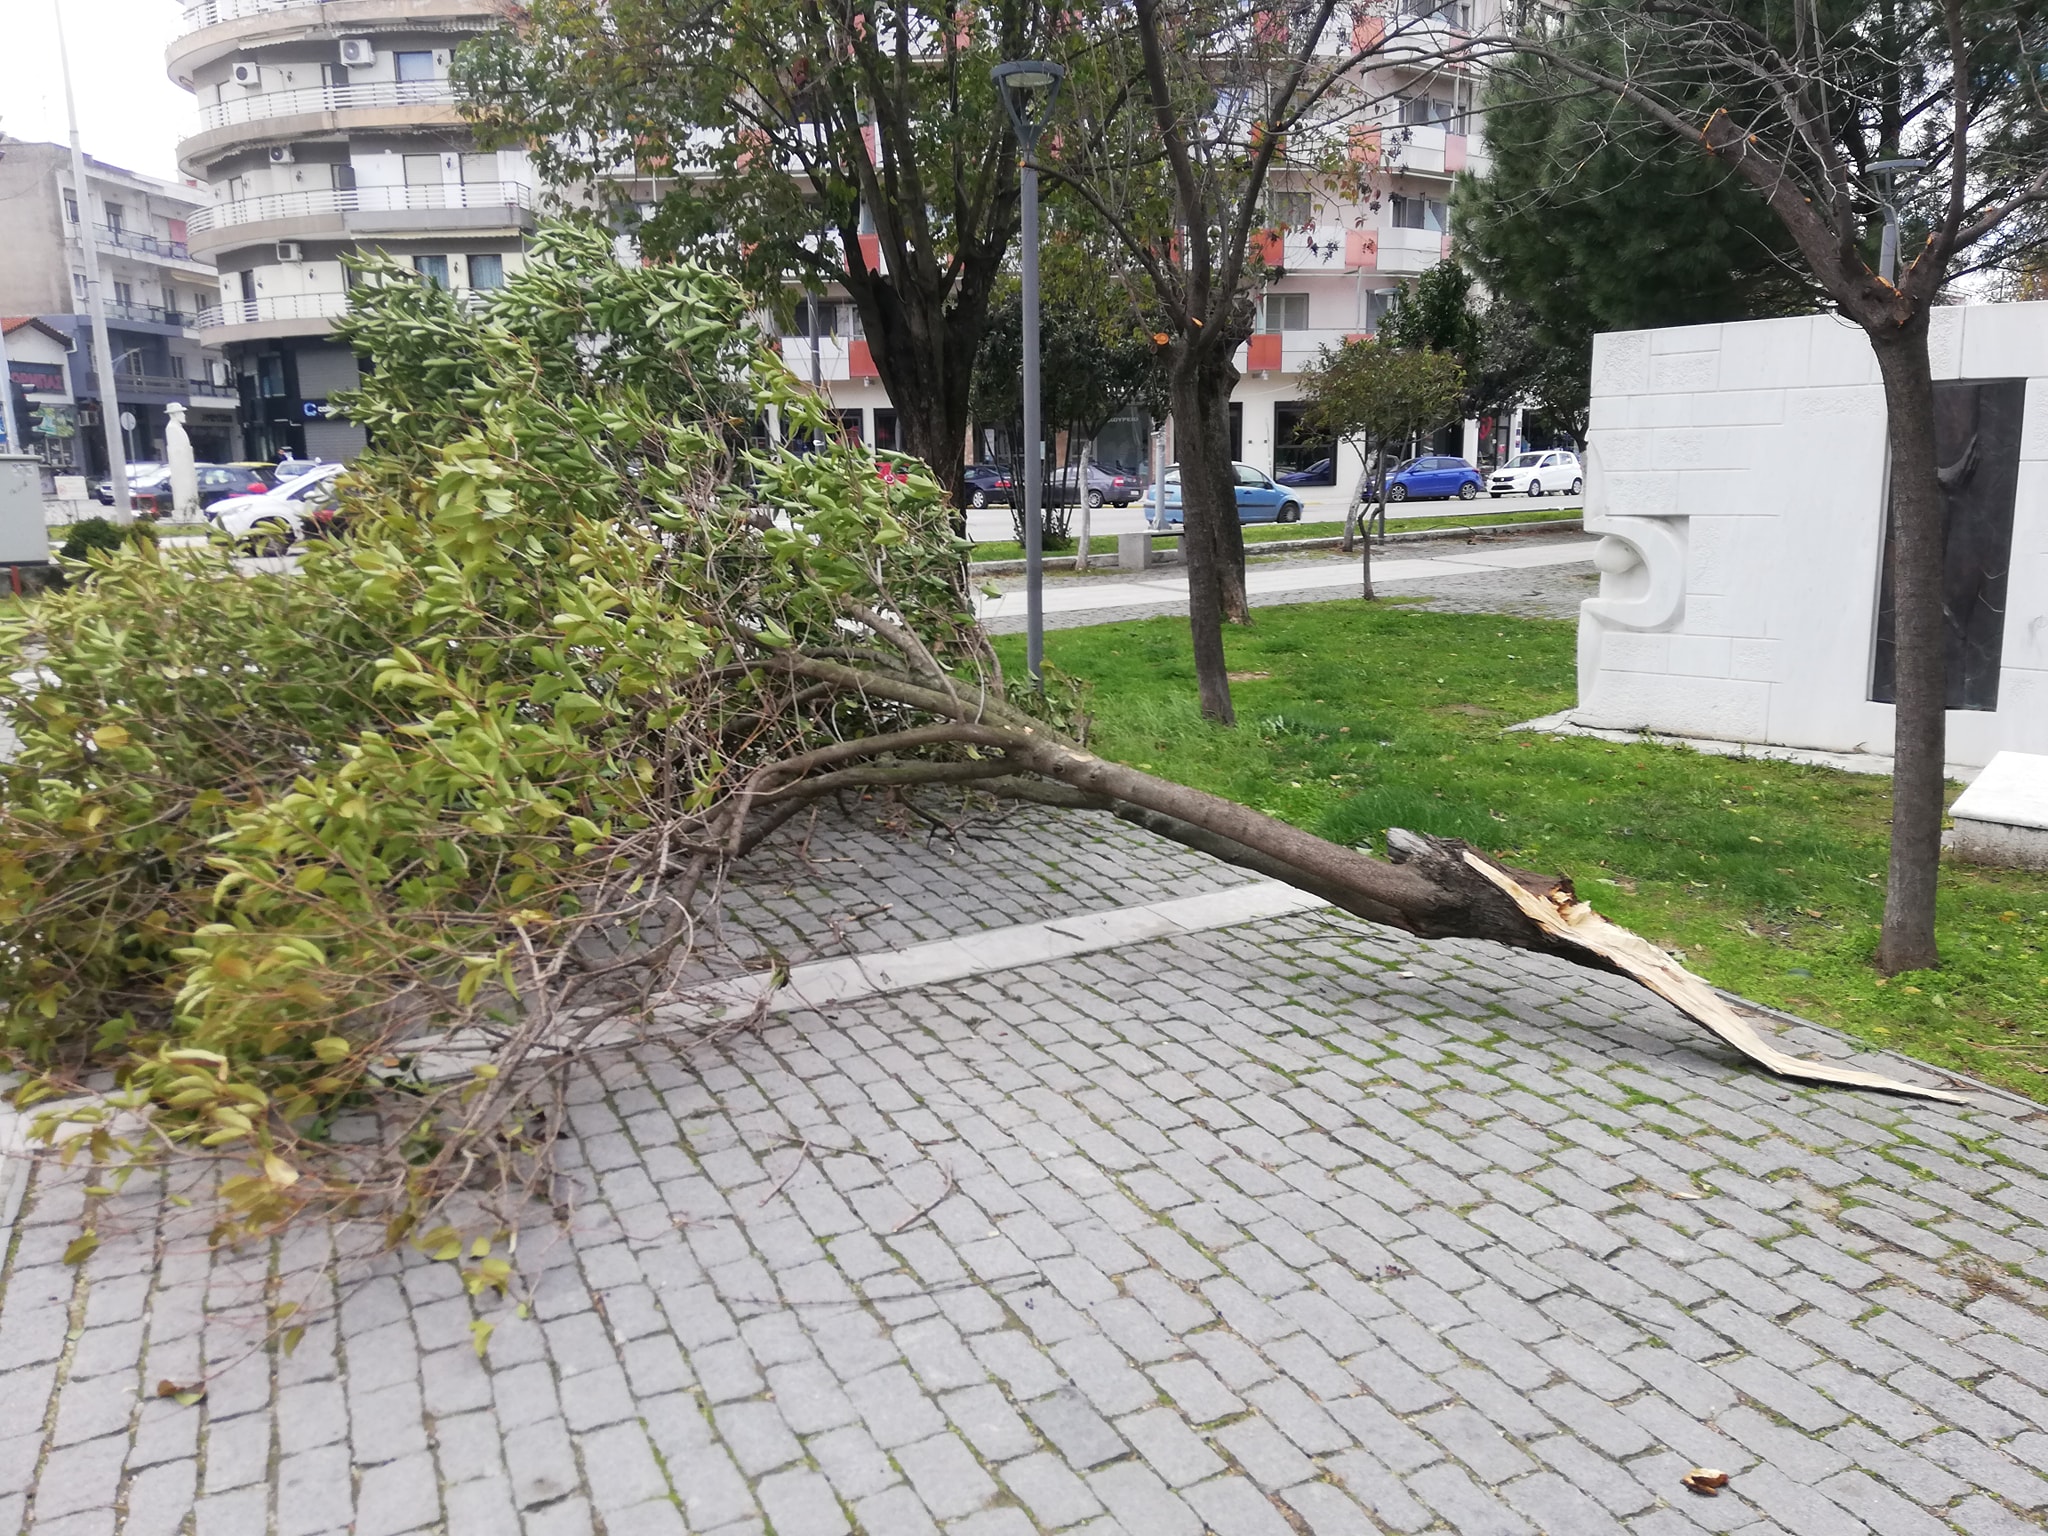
[481,768]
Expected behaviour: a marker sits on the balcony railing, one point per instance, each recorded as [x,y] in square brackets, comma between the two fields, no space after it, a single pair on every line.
[156,314]
[284,306]
[327,98]
[118,237]
[129,384]
[211,13]
[324,200]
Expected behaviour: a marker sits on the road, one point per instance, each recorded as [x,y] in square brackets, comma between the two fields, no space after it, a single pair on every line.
[1320,504]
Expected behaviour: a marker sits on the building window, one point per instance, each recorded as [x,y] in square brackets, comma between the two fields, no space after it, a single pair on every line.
[70,207]
[415,66]
[1379,303]
[1421,213]
[270,376]
[432,269]
[78,284]
[1290,207]
[814,317]
[113,218]
[343,175]
[487,271]
[1428,111]
[124,294]
[1286,312]
[422,170]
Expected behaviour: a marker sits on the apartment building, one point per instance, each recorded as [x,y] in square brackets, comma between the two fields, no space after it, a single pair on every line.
[153,285]
[325,128]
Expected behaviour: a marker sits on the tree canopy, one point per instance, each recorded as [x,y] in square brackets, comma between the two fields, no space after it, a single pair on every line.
[788,144]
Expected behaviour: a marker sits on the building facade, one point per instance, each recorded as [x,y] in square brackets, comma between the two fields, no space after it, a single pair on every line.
[154,287]
[327,128]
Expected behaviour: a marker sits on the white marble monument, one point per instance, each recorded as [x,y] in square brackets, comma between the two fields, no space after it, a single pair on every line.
[1738,475]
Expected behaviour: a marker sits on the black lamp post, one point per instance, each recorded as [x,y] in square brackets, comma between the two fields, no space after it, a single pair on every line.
[1029,88]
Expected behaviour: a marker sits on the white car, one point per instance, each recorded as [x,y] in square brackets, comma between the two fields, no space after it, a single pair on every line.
[1538,474]
[280,517]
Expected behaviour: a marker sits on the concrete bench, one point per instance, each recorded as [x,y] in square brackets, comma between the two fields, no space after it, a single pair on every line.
[2002,818]
[1135,551]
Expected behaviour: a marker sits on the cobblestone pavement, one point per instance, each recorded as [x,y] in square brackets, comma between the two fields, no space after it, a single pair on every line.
[1541,592]
[1291,1229]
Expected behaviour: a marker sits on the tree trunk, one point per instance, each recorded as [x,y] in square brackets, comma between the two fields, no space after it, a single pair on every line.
[1081,490]
[1207,497]
[1920,715]
[1209,382]
[1357,505]
[924,346]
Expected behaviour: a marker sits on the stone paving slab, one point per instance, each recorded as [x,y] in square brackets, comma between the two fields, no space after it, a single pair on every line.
[1296,1227]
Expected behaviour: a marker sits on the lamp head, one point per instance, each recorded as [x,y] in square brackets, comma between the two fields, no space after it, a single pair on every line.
[1029,87]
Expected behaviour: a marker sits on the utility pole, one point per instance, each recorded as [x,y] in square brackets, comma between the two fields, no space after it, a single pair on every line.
[96,304]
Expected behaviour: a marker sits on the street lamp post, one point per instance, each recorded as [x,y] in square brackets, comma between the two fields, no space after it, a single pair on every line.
[1028,89]
[1887,173]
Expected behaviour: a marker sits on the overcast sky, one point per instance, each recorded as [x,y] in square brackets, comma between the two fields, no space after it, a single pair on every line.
[129,112]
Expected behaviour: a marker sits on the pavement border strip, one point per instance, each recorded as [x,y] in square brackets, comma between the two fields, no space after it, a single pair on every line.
[851,978]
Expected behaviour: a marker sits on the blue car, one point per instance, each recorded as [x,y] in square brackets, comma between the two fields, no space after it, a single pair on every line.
[1259,499]
[1434,476]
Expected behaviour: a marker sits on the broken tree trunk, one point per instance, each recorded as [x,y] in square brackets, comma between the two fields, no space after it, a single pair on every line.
[1430,887]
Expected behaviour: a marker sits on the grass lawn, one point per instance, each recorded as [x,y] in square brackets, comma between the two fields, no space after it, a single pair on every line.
[1267,533]
[1768,877]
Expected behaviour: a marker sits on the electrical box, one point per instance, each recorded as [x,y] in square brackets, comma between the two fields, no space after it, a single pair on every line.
[24,537]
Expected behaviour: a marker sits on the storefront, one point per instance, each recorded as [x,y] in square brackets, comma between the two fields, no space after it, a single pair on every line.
[39,383]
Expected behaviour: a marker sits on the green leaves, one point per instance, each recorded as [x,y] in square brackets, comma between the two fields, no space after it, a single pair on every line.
[264,836]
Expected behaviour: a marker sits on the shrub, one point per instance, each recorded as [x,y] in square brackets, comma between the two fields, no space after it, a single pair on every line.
[265,833]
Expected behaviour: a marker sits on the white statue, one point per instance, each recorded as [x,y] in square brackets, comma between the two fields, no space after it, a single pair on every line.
[184,476]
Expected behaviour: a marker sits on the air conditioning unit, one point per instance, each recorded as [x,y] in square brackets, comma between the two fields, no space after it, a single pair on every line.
[248,74]
[358,52]
[281,154]
[290,250]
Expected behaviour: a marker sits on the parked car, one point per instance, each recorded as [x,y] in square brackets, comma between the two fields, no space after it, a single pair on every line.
[274,521]
[1322,472]
[1259,499]
[1433,475]
[1538,474]
[150,493]
[1104,485]
[986,486]
[141,469]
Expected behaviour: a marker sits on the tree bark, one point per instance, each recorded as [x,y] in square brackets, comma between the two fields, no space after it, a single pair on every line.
[1920,715]
[924,345]
[1207,498]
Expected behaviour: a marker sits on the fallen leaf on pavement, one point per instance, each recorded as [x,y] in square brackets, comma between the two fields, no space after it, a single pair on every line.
[1705,1480]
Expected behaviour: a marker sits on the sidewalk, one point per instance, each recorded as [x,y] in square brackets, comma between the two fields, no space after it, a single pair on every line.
[1098,600]
[1253,1225]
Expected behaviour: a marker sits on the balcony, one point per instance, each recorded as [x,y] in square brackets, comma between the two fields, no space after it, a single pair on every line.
[1288,351]
[211,13]
[133,386]
[119,310]
[283,307]
[312,99]
[319,202]
[840,358]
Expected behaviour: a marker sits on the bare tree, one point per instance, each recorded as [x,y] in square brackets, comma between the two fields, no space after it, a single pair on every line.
[1182,113]
[1814,108]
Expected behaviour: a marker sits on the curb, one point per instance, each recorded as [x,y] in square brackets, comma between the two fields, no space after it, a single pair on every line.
[1291,546]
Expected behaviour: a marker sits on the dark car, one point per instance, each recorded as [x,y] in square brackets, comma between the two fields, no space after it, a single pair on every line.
[152,495]
[1117,487]
[1322,472]
[1433,476]
[986,486]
